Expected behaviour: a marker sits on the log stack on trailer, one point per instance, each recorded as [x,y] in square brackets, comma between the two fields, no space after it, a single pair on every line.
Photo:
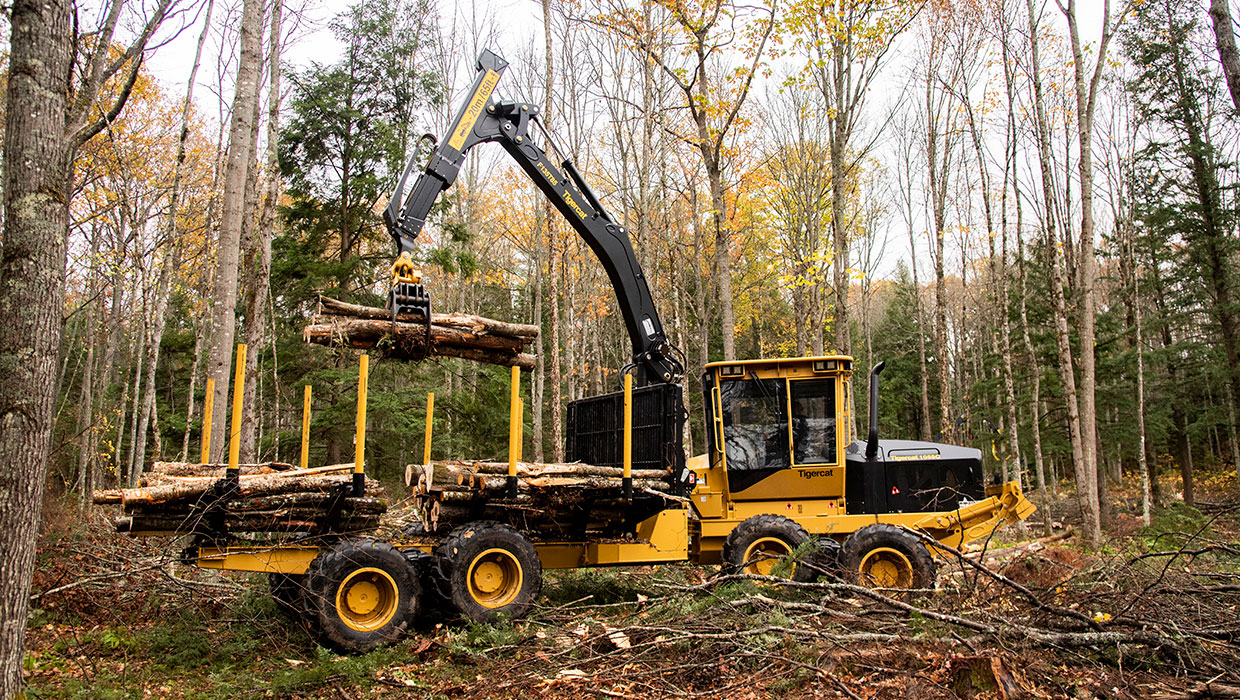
[185,498]
[407,337]
[551,501]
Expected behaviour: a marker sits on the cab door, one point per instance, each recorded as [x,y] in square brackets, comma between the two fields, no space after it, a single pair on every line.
[779,438]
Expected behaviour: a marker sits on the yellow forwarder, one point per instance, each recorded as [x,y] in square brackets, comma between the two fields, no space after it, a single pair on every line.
[783,464]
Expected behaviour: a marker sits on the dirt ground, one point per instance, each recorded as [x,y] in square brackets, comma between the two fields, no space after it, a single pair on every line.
[1151,615]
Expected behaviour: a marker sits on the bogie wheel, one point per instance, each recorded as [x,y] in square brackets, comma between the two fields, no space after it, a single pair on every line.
[757,544]
[487,569]
[823,561]
[286,592]
[884,556]
[359,594]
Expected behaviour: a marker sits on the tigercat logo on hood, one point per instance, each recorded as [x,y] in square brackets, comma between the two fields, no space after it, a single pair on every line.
[815,473]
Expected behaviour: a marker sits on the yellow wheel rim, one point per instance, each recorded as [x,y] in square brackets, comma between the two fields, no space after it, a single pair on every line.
[762,556]
[885,567]
[495,578]
[367,599]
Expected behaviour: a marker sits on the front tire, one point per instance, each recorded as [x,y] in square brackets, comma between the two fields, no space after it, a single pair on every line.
[486,569]
[884,556]
[757,544]
[360,594]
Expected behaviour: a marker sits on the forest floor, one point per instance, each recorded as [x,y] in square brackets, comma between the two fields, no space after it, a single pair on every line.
[1153,614]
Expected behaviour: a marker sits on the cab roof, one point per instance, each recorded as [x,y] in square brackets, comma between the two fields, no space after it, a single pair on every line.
[846,360]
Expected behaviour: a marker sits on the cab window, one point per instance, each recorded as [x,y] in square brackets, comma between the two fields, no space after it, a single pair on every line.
[755,426]
[813,421]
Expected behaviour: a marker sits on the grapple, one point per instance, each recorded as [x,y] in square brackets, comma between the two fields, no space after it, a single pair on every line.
[410,302]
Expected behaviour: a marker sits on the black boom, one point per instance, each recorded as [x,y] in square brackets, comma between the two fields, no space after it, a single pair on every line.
[484,119]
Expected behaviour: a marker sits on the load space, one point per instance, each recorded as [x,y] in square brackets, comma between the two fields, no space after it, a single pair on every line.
[785,487]
[180,498]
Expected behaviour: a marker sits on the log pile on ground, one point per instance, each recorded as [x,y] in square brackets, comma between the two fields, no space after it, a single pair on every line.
[552,500]
[451,335]
[176,498]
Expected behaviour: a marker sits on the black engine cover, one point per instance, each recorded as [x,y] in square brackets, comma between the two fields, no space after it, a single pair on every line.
[909,476]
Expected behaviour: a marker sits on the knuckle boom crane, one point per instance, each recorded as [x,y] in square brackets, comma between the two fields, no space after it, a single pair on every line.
[484,119]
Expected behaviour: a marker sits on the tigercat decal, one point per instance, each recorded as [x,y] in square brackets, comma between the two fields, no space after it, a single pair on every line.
[815,473]
[572,204]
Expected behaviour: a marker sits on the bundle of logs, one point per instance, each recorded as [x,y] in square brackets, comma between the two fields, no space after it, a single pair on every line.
[451,335]
[177,498]
[552,500]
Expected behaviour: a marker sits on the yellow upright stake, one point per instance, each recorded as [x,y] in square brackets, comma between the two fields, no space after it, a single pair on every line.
[359,478]
[514,434]
[234,433]
[305,429]
[628,436]
[207,405]
[430,412]
[520,431]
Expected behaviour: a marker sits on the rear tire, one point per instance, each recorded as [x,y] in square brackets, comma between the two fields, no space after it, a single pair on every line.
[757,544]
[884,556]
[486,569]
[360,594]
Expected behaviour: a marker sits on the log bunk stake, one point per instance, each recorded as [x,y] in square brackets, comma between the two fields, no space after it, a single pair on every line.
[451,335]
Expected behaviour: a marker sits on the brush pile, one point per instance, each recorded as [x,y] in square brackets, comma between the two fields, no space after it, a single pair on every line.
[177,498]
[552,500]
[451,335]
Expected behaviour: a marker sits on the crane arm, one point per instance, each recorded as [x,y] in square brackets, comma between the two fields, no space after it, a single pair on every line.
[483,119]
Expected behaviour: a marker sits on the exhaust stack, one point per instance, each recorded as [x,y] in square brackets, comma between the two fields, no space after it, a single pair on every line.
[871,444]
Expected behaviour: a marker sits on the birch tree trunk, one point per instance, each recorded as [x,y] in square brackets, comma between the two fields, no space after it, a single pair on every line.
[258,254]
[224,289]
[1082,474]
[1086,99]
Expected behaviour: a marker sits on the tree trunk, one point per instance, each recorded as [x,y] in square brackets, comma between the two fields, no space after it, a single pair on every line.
[86,414]
[1084,476]
[1085,100]
[37,161]
[723,256]
[839,236]
[133,462]
[937,171]
[553,265]
[224,290]
[172,259]
[1225,40]
[1035,369]
[257,265]
[921,340]
[1146,506]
